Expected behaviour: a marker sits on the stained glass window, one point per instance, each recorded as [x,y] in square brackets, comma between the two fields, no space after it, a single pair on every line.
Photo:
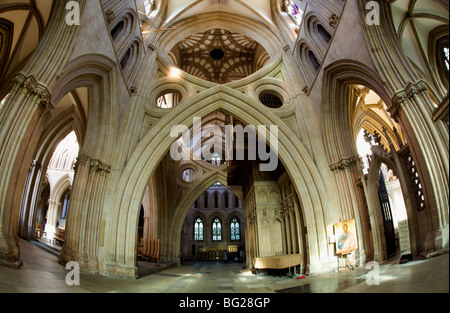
[294,11]
[217,229]
[216,159]
[198,229]
[235,229]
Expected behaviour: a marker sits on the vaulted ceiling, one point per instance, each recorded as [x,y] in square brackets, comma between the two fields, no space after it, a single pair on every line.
[218,55]
[22,25]
[416,23]
[256,9]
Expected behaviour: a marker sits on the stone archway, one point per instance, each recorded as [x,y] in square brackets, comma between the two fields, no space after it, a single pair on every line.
[120,241]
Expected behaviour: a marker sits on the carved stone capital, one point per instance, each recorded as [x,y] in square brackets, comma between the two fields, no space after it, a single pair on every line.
[99,167]
[344,163]
[33,89]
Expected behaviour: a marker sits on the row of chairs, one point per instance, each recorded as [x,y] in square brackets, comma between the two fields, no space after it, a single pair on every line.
[149,249]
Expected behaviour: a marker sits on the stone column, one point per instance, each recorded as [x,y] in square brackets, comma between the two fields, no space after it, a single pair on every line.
[73,224]
[84,231]
[30,200]
[428,142]
[346,173]
[25,112]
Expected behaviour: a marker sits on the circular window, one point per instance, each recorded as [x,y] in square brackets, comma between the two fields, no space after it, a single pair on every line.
[271,99]
[189,175]
[168,99]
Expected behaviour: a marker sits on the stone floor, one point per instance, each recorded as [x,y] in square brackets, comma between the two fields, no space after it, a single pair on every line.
[41,273]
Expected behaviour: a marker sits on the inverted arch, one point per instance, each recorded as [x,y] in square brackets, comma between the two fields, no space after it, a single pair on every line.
[121,220]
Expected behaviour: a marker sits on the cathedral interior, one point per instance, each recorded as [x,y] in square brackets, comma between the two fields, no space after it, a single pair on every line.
[146,132]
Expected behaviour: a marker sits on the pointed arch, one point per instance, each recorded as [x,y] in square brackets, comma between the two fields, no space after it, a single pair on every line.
[336,112]
[120,245]
[94,72]
[58,188]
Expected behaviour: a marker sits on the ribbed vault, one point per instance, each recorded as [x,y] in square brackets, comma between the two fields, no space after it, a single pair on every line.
[218,55]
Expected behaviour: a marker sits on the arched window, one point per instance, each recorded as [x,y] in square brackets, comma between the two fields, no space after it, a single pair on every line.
[235,229]
[443,59]
[323,33]
[217,230]
[198,229]
[314,60]
[117,30]
[125,59]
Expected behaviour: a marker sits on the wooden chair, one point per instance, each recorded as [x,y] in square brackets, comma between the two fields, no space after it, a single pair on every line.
[59,236]
[151,250]
[146,251]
